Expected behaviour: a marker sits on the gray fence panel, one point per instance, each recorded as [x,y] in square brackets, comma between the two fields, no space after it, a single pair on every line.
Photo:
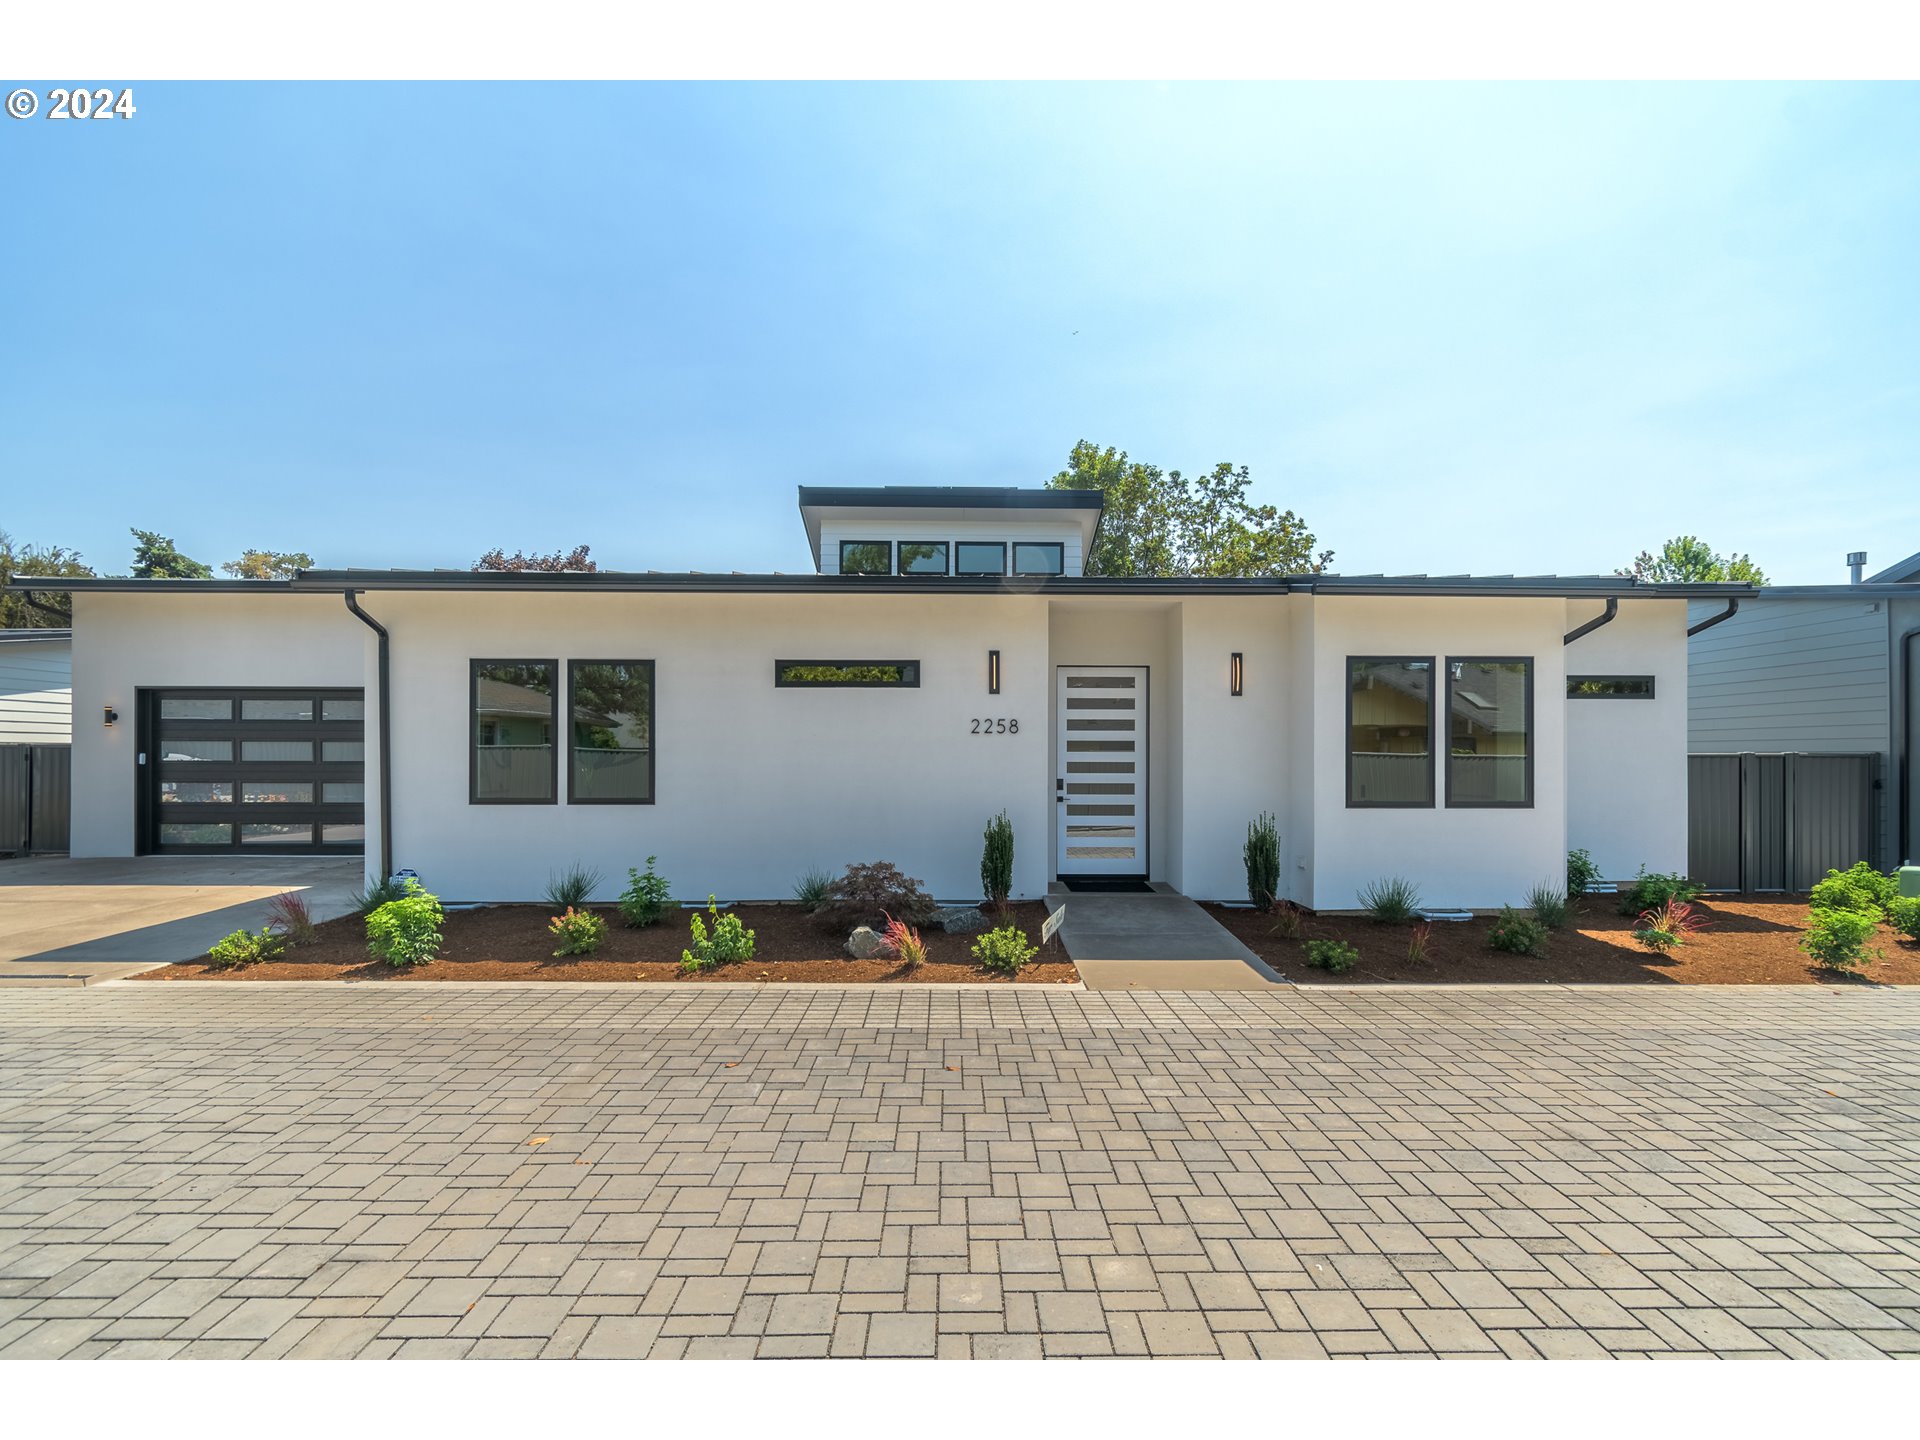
[15,796]
[1764,808]
[1713,820]
[1832,799]
[52,799]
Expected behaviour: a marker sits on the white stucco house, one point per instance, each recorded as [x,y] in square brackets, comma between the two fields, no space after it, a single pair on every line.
[947,659]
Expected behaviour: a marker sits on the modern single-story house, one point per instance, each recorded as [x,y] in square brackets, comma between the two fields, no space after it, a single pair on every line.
[36,687]
[947,659]
[1822,670]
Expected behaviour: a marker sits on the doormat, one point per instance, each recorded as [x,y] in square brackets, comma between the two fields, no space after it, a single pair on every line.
[1098,885]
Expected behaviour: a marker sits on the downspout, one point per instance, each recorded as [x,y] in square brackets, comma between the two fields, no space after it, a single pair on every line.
[64,617]
[1906,744]
[1733,608]
[384,726]
[1606,617]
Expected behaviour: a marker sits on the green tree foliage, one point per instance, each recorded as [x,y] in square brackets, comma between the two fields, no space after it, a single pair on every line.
[44,611]
[1166,523]
[267,564]
[558,561]
[155,558]
[1689,560]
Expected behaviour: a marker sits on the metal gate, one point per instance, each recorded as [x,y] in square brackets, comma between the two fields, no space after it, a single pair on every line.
[36,783]
[1778,822]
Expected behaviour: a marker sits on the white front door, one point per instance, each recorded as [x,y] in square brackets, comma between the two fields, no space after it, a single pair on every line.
[1100,770]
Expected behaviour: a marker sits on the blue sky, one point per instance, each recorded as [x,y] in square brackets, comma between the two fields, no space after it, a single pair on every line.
[1500,328]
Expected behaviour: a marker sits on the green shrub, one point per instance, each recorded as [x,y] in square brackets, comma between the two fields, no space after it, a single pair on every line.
[1903,913]
[1517,934]
[406,931]
[730,941]
[1262,857]
[869,895]
[377,894]
[1650,892]
[1393,900]
[996,861]
[1581,872]
[1549,906]
[1668,927]
[240,950]
[1837,940]
[646,897]
[1004,949]
[578,931]
[812,889]
[571,888]
[1334,955]
[1861,889]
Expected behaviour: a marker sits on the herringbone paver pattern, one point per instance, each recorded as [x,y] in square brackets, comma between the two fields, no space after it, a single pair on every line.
[282,1170]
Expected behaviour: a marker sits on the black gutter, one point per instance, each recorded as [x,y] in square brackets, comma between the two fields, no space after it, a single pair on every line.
[385,731]
[1606,618]
[1733,608]
[941,497]
[64,616]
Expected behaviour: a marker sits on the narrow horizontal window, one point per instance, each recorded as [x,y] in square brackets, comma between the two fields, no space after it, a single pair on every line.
[1489,732]
[276,751]
[980,557]
[196,835]
[1610,687]
[511,732]
[277,792]
[196,792]
[299,709]
[1389,732]
[923,557]
[1031,557]
[611,718]
[845,673]
[866,557]
[276,834]
[189,708]
[343,709]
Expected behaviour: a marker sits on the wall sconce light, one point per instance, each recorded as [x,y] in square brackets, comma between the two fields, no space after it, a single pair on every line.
[993,672]
[1236,674]
[111,715]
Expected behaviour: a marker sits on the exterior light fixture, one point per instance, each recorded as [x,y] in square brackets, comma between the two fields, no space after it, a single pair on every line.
[1237,674]
[993,672]
[111,715]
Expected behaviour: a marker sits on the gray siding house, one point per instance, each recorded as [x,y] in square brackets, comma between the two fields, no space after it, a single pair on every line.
[36,687]
[1819,670]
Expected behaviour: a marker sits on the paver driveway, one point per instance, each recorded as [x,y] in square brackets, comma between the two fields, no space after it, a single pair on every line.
[290,1170]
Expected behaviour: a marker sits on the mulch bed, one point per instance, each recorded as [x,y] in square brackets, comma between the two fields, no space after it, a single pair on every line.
[510,942]
[1750,940]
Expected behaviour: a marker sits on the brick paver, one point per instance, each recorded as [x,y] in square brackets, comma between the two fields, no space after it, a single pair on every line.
[689,1171]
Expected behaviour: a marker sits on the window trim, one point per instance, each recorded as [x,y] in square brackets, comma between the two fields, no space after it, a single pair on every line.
[473,746]
[999,545]
[1532,731]
[780,683]
[946,559]
[1433,787]
[1573,680]
[843,557]
[1058,546]
[653,738]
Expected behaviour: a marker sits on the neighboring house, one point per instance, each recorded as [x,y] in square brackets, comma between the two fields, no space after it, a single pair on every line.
[947,660]
[36,687]
[1821,670]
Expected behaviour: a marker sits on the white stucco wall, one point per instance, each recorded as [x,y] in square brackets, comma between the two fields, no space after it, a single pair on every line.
[123,643]
[1476,858]
[754,784]
[1627,759]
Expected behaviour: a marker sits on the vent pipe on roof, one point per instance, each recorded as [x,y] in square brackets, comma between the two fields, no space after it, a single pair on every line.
[1857,563]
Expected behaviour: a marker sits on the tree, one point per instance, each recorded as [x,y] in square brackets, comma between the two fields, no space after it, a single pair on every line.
[267,564]
[1688,560]
[51,610]
[1159,523]
[576,559]
[155,558]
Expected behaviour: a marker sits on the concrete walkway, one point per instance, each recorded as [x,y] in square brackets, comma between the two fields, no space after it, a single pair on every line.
[1161,941]
[77,922]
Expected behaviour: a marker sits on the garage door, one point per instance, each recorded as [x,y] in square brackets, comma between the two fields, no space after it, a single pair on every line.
[261,771]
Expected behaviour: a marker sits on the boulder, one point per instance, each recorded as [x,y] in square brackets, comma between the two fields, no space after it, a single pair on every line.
[962,919]
[864,944]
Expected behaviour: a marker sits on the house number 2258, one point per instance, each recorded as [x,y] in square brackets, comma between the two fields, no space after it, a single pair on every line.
[1000,726]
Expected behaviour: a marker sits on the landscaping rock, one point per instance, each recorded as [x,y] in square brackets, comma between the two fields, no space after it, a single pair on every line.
[962,920]
[863,944]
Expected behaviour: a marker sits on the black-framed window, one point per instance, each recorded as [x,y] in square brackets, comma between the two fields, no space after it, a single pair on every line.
[846,674]
[610,759]
[1610,687]
[980,557]
[1489,712]
[1039,557]
[866,557]
[921,557]
[512,759]
[1390,732]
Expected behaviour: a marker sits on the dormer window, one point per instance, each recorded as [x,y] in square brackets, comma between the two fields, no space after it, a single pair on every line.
[1032,557]
[980,557]
[923,557]
[866,557]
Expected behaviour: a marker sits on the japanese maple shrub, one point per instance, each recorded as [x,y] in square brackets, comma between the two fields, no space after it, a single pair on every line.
[870,895]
